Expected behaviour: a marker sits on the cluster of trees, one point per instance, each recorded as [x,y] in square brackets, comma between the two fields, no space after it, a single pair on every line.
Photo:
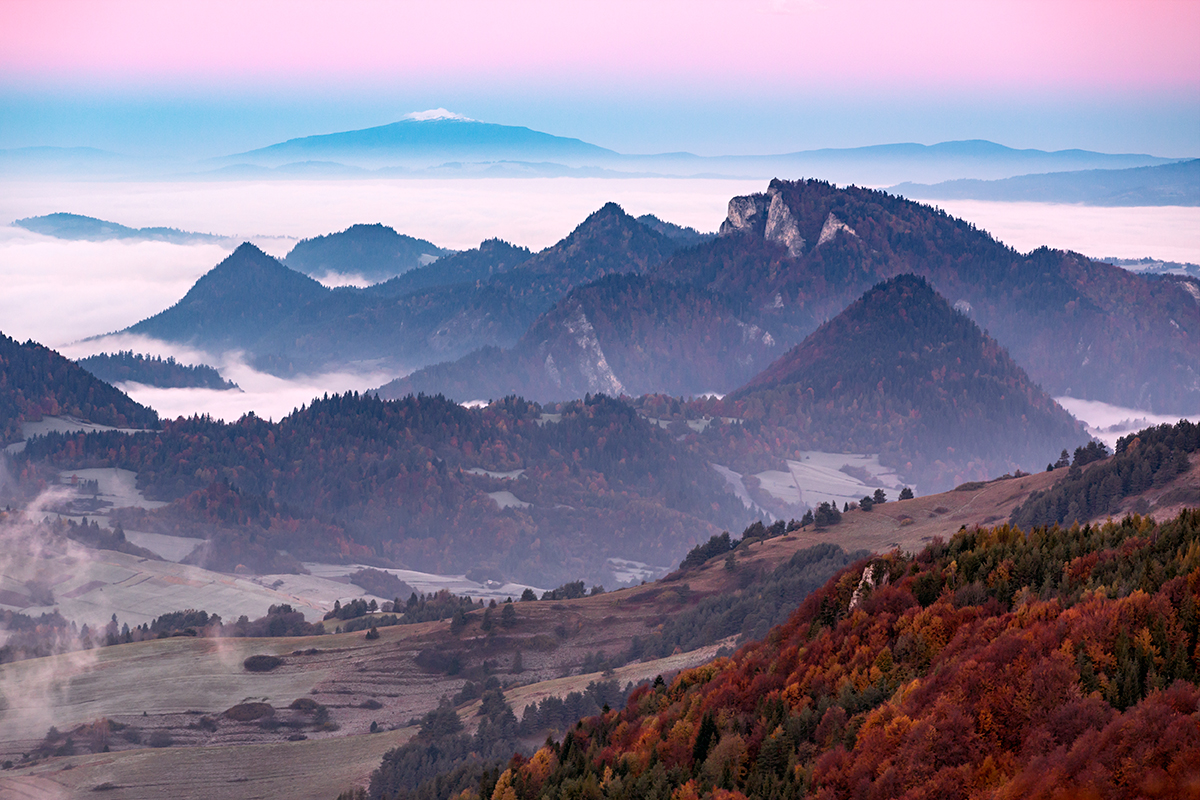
[1033,663]
[355,476]
[91,534]
[442,760]
[125,365]
[35,381]
[756,531]
[35,637]
[380,583]
[1142,461]
[765,600]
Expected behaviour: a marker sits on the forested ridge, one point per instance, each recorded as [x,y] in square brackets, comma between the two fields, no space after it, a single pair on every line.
[353,475]
[286,322]
[1149,458]
[1001,664]
[376,252]
[125,365]
[35,381]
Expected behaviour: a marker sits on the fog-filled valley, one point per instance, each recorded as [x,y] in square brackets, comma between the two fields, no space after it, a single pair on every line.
[796,400]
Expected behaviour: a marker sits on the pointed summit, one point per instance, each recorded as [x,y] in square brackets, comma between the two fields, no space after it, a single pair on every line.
[608,241]
[235,302]
[903,374]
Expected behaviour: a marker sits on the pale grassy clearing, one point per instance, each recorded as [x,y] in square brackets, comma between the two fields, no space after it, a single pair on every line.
[161,676]
[319,770]
[89,586]
[506,499]
[426,582]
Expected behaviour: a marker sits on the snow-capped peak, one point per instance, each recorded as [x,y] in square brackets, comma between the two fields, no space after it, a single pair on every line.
[436,113]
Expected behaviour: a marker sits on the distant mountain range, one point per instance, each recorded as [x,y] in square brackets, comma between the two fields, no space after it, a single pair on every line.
[490,295]
[78,227]
[448,146]
[1176,184]
[618,307]
[713,315]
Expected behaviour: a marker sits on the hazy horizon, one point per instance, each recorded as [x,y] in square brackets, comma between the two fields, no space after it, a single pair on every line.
[713,77]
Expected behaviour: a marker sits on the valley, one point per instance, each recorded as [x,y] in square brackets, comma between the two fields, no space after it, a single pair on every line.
[375,566]
[362,681]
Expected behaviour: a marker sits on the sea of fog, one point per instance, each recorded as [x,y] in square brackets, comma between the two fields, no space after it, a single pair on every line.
[61,293]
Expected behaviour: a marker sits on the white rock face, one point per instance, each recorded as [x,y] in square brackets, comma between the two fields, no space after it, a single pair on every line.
[782,226]
[963,307]
[1192,289]
[585,354]
[832,227]
[746,213]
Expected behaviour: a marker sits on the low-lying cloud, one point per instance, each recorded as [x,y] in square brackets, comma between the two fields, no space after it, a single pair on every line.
[61,292]
[266,395]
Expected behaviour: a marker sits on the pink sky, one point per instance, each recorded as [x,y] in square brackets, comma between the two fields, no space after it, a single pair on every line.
[939,45]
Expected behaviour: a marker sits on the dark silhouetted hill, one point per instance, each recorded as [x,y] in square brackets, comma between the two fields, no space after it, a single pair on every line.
[235,303]
[35,381]
[153,371]
[78,227]
[376,252]
[902,374]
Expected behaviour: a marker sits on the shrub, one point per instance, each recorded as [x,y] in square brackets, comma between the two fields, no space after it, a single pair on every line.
[248,712]
[262,663]
[161,739]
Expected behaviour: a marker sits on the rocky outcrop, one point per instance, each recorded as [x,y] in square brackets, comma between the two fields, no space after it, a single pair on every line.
[581,362]
[833,226]
[782,226]
[766,215]
[747,214]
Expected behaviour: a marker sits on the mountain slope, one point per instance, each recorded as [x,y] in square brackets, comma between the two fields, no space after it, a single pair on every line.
[623,334]
[234,303]
[376,252]
[425,483]
[492,257]
[796,255]
[948,674]
[902,374]
[803,250]
[608,242]
[1175,184]
[36,381]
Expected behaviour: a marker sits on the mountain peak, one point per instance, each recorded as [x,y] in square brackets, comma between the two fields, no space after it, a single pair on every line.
[236,301]
[436,113]
[901,373]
